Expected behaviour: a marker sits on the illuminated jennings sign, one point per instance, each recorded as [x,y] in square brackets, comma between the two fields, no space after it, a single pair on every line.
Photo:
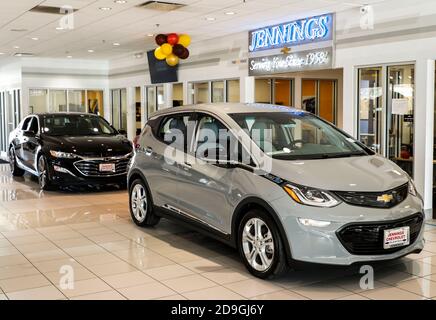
[298,61]
[293,33]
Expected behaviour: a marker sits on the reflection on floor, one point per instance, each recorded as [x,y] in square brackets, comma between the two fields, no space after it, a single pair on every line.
[47,236]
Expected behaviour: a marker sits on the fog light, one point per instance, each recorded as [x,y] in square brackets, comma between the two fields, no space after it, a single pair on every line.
[62,170]
[314,223]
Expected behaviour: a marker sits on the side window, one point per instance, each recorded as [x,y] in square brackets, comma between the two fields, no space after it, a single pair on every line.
[174,130]
[34,127]
[25,123]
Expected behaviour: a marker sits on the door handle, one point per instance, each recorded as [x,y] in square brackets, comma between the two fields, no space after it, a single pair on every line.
[186,166]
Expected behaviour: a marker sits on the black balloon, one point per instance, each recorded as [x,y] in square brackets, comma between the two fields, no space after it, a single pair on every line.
[161,39]
[178,50]
[185,54]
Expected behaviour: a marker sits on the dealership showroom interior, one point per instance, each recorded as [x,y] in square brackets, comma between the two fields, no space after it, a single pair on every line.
[217,150]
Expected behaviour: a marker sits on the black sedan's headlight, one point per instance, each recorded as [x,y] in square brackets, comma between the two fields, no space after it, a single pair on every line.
[63,155]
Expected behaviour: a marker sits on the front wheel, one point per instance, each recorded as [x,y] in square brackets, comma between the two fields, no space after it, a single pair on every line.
[260,245]
[43,176]
[141,206]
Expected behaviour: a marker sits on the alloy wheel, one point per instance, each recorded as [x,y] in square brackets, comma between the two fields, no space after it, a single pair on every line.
[139,202]
[258,244]
[42,170]
[12,159]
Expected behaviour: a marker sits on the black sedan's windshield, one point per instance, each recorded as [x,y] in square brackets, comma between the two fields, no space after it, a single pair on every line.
[75,125]
[297,135]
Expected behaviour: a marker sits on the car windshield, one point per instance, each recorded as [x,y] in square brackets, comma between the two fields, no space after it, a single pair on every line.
[76,125]
[297,135]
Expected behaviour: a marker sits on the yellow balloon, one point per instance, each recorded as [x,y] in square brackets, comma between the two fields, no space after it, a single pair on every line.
[158,54]
[184,40]
[166,49]
[172,60]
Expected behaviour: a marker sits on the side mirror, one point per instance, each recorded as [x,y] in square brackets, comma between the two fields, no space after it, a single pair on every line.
[29,133]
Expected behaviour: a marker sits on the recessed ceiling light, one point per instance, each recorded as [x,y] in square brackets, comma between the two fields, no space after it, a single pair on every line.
[120,1]
[69,57]
[16,47]
[105,8]
[139,55]
[2,53]
[59,28]
[116,44]
[90,51]
[210,19]
[35,38]
[230,13]
[150,35]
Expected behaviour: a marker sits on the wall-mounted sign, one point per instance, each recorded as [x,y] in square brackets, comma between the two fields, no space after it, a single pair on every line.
[297,61]
[303,31]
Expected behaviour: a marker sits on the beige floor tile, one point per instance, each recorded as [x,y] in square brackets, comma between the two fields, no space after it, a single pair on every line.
[28,239]
[3,297]
[189,283]
[129,279]
[391,293]
[168,272]
[105,238]
[97,259]
[148,261]
[147,291]
[23,283]
[252,287]
[62,235]
[79,273]
[392,276]
[85,287]
[107,295]
[214,293]
[8,251]
[42,293]
[55,265]
[280,295]
[113,268]
[19,233]
[421,286]
[4,243]
[321,291]
[173,297]
[203,265]
[46,255]
[12,260]
[120,245]
[225,276]
[17,271]
[430,246]
[96,231]
[417,268]
[430,260]
[84,250]
[353,283]
[73,242]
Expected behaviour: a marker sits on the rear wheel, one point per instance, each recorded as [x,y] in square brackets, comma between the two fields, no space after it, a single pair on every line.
[141,206]
[43,176]
[15,170]
[260,245]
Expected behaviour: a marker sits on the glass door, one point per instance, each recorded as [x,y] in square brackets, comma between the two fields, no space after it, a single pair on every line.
[370,107]
[400,112]
[319,97]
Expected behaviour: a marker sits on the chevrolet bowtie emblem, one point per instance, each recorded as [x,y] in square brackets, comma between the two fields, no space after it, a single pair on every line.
[386,198]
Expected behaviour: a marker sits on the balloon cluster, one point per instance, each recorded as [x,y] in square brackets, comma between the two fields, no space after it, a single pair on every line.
[172,47]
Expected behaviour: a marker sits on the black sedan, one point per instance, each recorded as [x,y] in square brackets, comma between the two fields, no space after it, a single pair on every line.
[64,149]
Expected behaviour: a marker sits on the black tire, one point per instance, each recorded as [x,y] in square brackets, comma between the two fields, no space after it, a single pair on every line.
[144,217]
[43,174]
[15,170]
[277,259]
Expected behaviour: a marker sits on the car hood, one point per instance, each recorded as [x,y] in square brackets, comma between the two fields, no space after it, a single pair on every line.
[364,173]
[92,146]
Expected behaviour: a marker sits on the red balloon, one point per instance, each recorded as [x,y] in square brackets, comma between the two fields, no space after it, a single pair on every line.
[161,39]
[185,54]
[172,39]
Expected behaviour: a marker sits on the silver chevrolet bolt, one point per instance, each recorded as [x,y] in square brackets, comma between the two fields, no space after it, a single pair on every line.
[279,184]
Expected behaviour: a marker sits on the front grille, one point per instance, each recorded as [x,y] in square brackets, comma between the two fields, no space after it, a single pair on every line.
[386,199]
[367,238]
[91,168]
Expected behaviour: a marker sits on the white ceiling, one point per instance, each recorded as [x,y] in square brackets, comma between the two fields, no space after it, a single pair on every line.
[129,25]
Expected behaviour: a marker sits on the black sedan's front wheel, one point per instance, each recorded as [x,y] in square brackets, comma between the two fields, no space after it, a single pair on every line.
[43,175]
[15,170]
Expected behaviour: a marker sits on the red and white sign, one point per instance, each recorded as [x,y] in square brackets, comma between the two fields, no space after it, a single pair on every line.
[394,238]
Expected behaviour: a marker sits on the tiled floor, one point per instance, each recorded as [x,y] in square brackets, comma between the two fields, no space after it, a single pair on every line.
[47,236]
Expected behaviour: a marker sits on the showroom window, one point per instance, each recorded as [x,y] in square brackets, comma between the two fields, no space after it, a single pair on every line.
[10,115]
[177,94]
[154,99]
[215,91]
[386,107]
[275,91]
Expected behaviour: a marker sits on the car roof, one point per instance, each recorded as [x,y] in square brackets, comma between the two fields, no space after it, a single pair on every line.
[227,108]
[44,114]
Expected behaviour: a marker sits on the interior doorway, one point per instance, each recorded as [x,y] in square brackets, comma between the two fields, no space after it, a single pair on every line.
[318,96]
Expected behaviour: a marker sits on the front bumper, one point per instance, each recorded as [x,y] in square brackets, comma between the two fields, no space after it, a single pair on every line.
[65,172]
[322,245]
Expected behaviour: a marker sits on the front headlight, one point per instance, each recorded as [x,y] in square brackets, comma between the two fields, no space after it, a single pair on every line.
[311,196]
[412,189]
[60,154]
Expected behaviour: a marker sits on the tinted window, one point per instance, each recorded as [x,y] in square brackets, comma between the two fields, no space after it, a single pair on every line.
[175,130]
[34,127]
[76,125]
[25,123]
[297,135]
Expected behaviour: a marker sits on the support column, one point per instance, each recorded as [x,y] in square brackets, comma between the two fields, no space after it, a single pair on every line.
[143,107]
[297,92]
[131,112]
[107,105]
[424,118]
[349,108]
[247,89]
[168,95]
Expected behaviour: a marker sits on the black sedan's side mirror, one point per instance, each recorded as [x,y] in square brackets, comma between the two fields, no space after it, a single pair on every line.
[29,133]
